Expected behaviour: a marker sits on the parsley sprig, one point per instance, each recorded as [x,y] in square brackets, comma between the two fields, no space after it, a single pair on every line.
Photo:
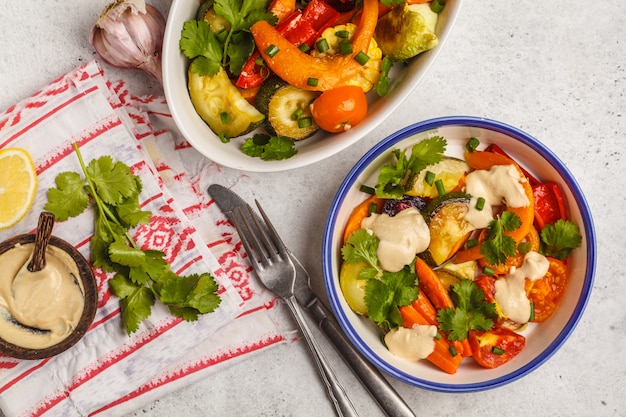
[269,148]
[497,247]
[392,177]
[229,48]
[560,238]
[141,275]
[385,291]
[471,312]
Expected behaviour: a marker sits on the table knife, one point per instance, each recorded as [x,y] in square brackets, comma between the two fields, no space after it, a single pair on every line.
[379,388]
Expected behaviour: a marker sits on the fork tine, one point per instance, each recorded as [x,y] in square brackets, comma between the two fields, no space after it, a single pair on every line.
[273,234]
[245,234]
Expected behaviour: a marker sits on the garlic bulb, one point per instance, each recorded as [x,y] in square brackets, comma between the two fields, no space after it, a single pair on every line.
[129,34]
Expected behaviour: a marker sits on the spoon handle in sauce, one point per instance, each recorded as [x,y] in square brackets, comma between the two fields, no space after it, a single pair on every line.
[44,231]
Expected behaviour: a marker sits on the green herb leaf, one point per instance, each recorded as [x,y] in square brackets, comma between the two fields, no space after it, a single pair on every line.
[68,199]
[113,181]
[382,85]
[198,42]
[362,246]
[560,238]
[471,311]
[384,296]
[268,148]
[391,177]
[498,246]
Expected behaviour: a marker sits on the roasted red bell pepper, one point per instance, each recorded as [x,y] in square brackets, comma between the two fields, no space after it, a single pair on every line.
[299,68]
[300,27]
[549,204]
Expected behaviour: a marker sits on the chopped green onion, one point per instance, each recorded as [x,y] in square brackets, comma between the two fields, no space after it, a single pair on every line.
[224,118]
[438,336]
[260,62]
[437,5]
[345,47]
[342,34]
[373,208]
[524,247]
[471,243]
[322,45]
[480,204]
[430,177]
[532,312]
[296,114]
[304,47]
[361,58]
[497,350]
[367,189]
[304,122]
[452,351]
[472,144]
[271,51]
[312,82]
[488,271]
[441,189]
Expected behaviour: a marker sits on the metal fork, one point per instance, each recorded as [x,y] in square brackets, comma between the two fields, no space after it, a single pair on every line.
[275,269]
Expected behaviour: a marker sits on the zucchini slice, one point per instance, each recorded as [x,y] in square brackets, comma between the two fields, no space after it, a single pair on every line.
[450,171]
[220,104]
[287,109]
[449,230]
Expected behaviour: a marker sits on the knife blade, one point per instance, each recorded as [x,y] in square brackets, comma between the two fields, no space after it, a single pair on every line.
[374,382]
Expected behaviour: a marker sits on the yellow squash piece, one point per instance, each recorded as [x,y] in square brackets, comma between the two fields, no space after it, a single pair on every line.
[220,104]
[18,185]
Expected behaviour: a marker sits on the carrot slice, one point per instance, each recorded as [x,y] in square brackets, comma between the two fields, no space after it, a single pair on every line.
[432,287]
[441,357]
[358,214]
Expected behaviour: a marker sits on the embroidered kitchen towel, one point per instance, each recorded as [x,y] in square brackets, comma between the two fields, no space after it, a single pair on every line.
[109,372]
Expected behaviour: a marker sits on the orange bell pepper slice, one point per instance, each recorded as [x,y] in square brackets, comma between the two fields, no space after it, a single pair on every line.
[297,67]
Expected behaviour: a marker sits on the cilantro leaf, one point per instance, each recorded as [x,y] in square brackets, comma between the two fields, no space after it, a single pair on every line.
[268,148]
[560,238]
[113,181]
[362,246]
[239,52]
[243,14]
[498,246]
[391,177]
[69,198]
[471,312]
[384,296]
[198,42]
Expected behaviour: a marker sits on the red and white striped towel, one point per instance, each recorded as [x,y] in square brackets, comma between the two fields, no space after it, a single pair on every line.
[108,372]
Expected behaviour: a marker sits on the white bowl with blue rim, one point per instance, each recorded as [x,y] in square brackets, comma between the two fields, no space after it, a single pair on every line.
[542,339]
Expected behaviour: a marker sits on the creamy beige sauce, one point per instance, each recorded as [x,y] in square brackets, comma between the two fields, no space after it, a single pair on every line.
[502,184]
[401,237]
[510,293]
[51,300]
[412,344]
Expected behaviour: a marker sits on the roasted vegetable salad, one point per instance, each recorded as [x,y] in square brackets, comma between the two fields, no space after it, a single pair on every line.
[453,258]
[260,66]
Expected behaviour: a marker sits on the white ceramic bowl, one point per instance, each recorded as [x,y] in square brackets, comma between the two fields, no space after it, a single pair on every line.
[542,340]
[313,149]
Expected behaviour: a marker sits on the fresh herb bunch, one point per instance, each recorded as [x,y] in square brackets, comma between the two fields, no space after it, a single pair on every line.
[229,48]
[141,276]
[392,177]
[385,291]
[472,311]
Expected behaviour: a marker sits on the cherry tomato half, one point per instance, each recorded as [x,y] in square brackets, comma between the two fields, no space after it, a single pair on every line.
[545,293]
[549,204]
[339,109]
[495,347]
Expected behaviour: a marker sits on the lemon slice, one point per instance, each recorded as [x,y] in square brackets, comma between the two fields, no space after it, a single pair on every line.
[18,184]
